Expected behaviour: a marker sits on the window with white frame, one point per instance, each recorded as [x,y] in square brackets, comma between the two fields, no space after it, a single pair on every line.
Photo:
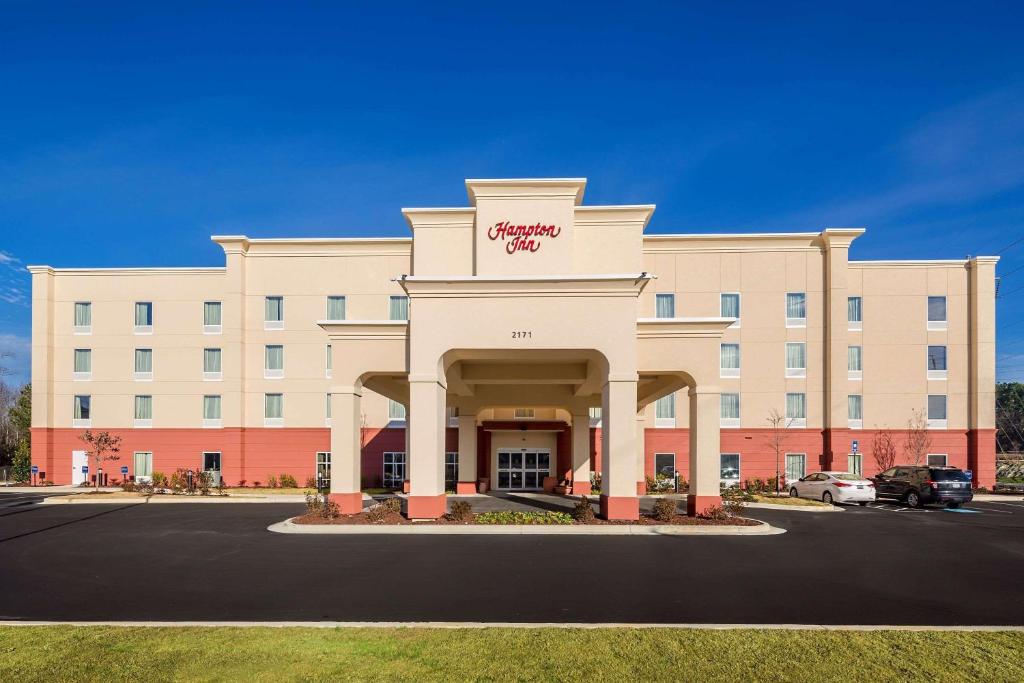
[330,362]
[335,308]
[937,313]
[143,411]
[398,308]
[83,364]
[82,415]
[665,411]
[937,411]
[937,460]
[323,468]
[273,313]
[143,466]
[327,409]
[273,410]
[212,322]
[855,464]
[665,465]
[143,365]
[730,469]
[453,416]
[730,410]
[451,470]
[595,416]
[855,362]
[394,470]
[854,411]
[796,466]
[854,312]
[796,410]
[796,359]
[524,413]
[664,305]
[273,361]
[937,362]
[729,362]
[211,411]
[730,307]
[143,317]
[212,364]
[396,411]
[83,317]
[796,309]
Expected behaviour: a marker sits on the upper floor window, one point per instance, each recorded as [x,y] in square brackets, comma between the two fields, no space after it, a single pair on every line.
[273,410]
[729,363]
[664,305]
[854,411]
[143,317]
[83,364]
[594,413]
[143,364]
[82,415]
[212,317]
[273,313]
[211,410]
[854,362]
[937,313]
[398,308]
[730,410]
[937,362]
[212,364]
[665,411]
[327,409]
[335,308]
[524,413]
[796,359]
[854,312]
[143,411]
[273,366]
[83,317]
[796,309]
[730,307]
[330,361]
[396,411]
[796,410]
[937,411]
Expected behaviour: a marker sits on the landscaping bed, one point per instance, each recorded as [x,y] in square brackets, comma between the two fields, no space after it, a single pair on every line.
[788,500]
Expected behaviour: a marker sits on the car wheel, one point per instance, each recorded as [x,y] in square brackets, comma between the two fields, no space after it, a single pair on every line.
[826,498]
[793,493]
[863,503]
[953,506]
[913,499]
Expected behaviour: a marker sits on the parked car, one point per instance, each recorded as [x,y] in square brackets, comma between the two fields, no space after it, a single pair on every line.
[919,485]
[834,487]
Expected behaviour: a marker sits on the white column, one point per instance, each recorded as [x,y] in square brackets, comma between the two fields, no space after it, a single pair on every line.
[467,455]
[581,454]
[618,448]
[705,455]
[346,450]
[426,422]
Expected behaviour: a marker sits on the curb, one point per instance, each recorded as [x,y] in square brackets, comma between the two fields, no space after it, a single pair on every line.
[793,508]
[289,527]
[169,499]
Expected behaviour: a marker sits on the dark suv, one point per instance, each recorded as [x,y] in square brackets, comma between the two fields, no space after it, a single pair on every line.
[919,485]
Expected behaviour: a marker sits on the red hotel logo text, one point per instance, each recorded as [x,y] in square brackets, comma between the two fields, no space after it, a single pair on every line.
[522,237]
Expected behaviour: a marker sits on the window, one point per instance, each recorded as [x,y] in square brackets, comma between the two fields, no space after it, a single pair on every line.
[327,409]
[854,411]
[730,410]
[323,469]
[451,471]
[937,313]
[595,416]
[854,312]
[211,411]
[796,410]
[211,364]
[335,308]
[330,362]
[143,317]
[83,317]
[394,470]
[273,361]
[937,459]
[82,416]
[273,313]
[665,465]
[664,305]
[453,416]
[143,470]
[854,362]
[273,410]
[730,469]
[937,362]
[143,365]
[796,309]
[855,464]
[398,308]
[83,364]
[730,360]
[796,466]
[396,411]
[524,413]
[731,307]
[211,317]
[936,411]
[796,359]
[665,411]
[143,411]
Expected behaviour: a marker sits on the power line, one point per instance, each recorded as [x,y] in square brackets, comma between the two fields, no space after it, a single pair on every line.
[1011,244]
[1015,270]
[1012,291]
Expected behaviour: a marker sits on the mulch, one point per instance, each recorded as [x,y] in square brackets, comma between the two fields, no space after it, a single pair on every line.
[397,518]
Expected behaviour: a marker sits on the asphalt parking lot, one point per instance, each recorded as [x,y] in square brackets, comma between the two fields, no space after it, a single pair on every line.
[881,564]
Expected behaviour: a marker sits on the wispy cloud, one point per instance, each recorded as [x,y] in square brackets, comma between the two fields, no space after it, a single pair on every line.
[14,280]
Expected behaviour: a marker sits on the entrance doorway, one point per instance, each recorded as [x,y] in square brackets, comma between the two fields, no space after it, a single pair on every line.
[524,469]
[78,461]
[211,464]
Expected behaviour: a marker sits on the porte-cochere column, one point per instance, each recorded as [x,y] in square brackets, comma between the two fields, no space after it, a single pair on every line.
[618,448]
[467,455]
[426,423]
[346,450]
[705,456]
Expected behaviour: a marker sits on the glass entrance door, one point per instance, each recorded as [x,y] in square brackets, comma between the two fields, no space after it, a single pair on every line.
[523,469]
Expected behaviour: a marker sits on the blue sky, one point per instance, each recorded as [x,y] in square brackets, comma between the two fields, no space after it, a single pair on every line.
[130,133]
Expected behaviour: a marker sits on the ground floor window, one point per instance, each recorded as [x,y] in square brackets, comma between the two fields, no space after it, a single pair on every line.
[211,464]
[937,459]
[323,468]
[854,464]
[451,470]
[730,469]
[523,469]
[143,465]
[796,466]
[394,470]
[665,465]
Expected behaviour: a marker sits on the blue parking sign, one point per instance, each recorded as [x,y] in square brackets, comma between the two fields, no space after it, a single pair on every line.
[35,469]
[970,475]
[124,469]
[856,445]
[85,469]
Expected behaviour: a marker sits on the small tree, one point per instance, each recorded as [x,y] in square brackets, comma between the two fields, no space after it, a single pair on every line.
[103,447]
[918,441]
[883,450]
[777,442]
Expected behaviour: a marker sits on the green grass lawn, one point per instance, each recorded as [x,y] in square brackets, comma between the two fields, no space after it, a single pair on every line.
[789,500]
[67,653]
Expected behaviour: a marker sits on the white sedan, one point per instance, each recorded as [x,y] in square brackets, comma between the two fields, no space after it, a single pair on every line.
[834,487]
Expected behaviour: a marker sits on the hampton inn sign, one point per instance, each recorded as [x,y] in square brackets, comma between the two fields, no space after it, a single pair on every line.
[524,341]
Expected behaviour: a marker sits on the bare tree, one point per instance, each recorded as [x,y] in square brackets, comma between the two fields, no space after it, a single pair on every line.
[883,449]
[918,441]
[777,442]
[103,447]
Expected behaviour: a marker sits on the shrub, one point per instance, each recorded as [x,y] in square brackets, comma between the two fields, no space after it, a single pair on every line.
[288,482]
[461,511]
[159,480]
[241,483]
[321,505]
[179,481]
[202,481]
[310,483]
[380,512]
[256,484]
[595,482]
[271,482]
[664,509]
[510,517]
[715,512]
[735,493]
[128,485]
[583,512]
